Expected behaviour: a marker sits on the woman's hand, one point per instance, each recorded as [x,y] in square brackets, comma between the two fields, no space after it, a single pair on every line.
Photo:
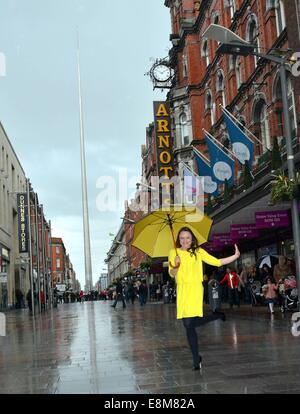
[237,252]
[177,261]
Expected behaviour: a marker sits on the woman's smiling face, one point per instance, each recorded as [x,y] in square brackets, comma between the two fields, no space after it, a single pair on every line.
[185,239]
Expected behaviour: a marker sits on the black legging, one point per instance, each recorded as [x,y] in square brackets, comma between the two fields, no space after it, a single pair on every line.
[190,325]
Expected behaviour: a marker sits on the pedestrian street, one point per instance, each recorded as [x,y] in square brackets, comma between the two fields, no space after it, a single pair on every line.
[91,348]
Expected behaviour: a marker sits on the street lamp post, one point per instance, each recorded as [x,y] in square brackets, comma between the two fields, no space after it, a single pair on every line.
[231,43]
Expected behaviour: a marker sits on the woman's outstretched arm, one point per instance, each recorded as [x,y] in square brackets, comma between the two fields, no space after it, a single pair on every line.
[230,259]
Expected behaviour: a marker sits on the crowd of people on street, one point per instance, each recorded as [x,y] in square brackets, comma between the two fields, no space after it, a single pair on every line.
[254,285]
[247,284]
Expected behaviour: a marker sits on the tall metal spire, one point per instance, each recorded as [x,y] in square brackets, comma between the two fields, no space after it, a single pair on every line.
[86,226]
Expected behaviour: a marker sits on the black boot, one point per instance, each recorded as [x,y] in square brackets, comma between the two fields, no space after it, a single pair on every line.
[199,366]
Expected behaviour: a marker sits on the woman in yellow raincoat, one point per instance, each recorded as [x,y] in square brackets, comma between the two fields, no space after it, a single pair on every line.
[185,264]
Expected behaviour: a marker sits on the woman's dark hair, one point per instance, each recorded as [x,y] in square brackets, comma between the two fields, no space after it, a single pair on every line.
[195,244]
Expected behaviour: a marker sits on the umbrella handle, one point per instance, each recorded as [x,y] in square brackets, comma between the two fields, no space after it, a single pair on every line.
[173,237]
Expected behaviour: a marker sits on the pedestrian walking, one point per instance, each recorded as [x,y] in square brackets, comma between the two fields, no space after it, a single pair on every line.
[20,299]
[270,291]
[143,291]
[29,300]
[131,292]
[119,295]
[185,264]
[232,280]
[81,296]
[282,269]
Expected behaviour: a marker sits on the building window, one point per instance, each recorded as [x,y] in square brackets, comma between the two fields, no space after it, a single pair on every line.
[216,18]
[221,87]
[185,139]
[205,52]
[184,66]
[235,64]
[57,250]
[252,34]
[209,106]
[231,5]
[57,263]
[280,16]
[262,121]
[277,96]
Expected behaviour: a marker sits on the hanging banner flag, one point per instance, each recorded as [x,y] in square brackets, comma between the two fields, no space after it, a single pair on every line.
[243,231]
[205,171]
[223,240]
[272,219]
[222,164]
[242,146]
[22,208]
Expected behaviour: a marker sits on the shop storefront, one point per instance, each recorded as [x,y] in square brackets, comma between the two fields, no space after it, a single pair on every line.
[4,270]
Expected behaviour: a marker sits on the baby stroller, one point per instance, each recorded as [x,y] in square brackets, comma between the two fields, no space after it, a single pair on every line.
[289,293]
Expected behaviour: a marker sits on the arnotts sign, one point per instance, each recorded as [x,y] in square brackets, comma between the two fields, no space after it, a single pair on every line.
[164,144]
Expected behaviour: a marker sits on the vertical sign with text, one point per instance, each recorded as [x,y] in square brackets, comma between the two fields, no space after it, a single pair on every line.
[22,222]
[164,145]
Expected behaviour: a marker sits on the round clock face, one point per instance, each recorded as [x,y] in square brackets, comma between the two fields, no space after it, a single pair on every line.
[161,73]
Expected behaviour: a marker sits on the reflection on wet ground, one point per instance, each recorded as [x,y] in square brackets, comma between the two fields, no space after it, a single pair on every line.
[93,348]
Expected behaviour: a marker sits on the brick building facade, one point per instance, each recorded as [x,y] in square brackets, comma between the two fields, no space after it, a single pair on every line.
[248,86]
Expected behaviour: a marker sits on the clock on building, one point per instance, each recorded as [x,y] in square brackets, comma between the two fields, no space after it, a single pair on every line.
[161,72]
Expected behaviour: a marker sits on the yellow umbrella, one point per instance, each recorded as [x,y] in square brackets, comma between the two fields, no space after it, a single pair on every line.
[155,234]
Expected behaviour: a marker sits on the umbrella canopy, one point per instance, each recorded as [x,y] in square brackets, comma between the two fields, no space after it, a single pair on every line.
[270,260]
[155,234]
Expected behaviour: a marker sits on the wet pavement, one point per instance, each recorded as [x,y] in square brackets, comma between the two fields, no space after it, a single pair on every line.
[92,348]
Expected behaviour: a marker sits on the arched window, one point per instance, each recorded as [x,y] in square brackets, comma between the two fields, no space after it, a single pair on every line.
[280,16]
[215,18]
[262,122]
[209,106]
[252,34]
[235,64]
[208,101]
[184,66]
[185,139]
[231,5]
[205,52]
[221,86]
[277,96]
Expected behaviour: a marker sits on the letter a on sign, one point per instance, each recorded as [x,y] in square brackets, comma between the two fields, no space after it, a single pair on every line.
[162,110]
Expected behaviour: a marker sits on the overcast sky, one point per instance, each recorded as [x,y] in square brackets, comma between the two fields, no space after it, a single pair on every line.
[39,103]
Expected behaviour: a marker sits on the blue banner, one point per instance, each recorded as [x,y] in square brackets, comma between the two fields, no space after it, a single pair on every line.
[222,164]
[242,146]
[204,170]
